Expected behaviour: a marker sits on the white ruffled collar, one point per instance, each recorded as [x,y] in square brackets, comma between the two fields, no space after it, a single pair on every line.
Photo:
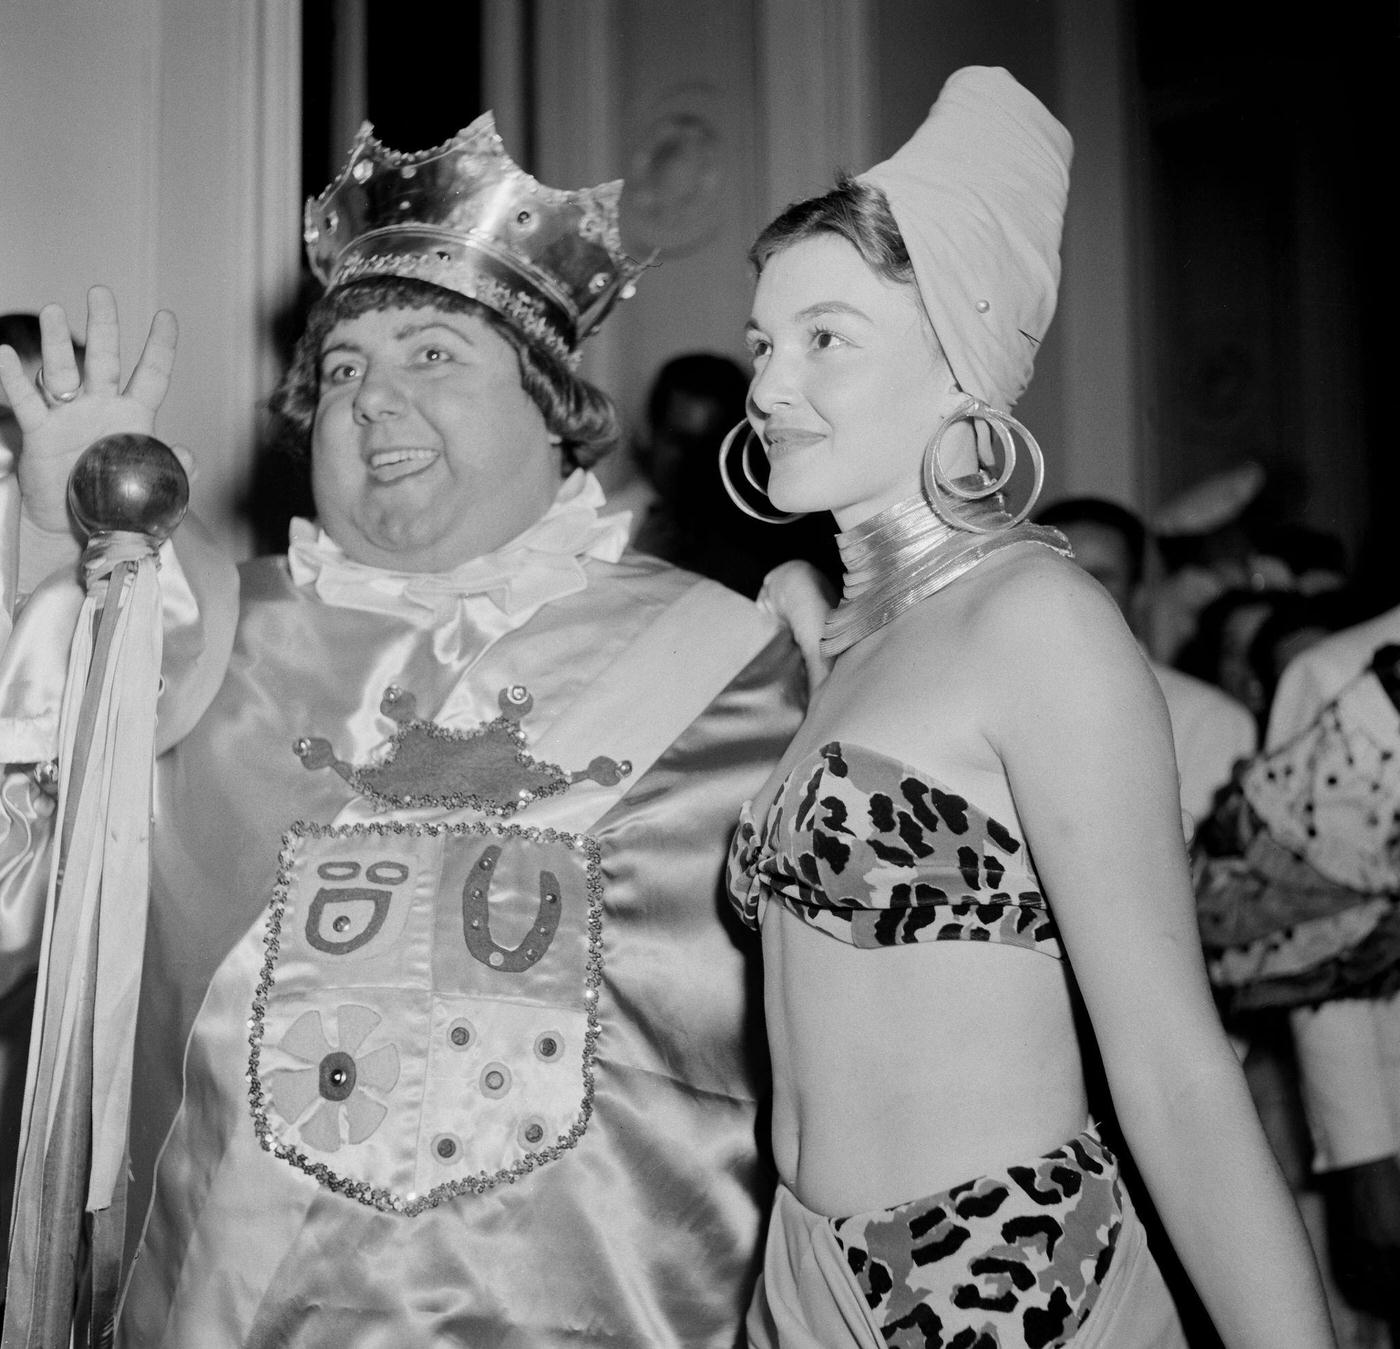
[543,563]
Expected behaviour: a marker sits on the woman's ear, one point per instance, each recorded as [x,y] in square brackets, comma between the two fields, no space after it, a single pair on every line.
[961,450]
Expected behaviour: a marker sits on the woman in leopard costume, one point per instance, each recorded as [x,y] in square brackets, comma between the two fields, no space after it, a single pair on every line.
[968,871]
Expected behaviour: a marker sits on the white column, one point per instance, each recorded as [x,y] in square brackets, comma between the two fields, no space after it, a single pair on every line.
[577,125]
[817,94]
[154,146]
[503,62]
[1096,327]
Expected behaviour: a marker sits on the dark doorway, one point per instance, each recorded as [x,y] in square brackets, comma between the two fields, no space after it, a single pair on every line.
[1271,259]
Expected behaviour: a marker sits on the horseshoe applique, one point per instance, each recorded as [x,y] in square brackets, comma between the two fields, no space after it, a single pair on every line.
[476,919]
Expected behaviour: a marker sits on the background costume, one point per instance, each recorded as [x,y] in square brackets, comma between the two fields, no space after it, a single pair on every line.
[1348,1051]
[459,1148]
[1211,732]
[1297,888]
[1298,884]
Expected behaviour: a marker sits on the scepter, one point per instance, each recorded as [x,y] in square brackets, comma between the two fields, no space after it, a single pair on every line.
[128,492]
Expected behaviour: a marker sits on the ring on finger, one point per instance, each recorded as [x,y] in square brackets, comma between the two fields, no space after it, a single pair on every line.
[52,396]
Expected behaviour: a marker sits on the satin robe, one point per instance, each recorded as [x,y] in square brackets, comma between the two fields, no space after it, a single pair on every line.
[642,1228]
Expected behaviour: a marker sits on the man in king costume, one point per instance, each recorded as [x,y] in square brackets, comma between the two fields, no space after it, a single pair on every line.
[442,1038]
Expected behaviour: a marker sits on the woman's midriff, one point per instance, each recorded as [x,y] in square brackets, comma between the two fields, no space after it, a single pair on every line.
[902,1071]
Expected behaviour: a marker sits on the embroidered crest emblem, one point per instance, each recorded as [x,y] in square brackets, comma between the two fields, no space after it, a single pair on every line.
[486,769]
[425,1024]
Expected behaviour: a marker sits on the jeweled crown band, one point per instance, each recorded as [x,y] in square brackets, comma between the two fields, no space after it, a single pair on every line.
[472,277]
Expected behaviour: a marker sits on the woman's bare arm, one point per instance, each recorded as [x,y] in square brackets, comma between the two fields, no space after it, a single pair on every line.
[1079,723]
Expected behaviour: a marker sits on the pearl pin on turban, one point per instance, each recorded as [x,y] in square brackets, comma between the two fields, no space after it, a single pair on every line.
[978,193]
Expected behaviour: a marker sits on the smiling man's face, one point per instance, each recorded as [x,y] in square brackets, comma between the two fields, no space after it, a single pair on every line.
[426,451]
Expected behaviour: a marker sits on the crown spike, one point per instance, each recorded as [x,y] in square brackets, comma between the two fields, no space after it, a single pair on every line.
[463,215]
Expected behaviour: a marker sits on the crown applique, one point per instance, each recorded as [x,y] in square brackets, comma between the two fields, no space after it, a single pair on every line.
[486,769]
[466,217]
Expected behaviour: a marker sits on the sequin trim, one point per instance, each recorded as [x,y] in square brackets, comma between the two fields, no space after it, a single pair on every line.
[387,1201]
[359,779]
[463,276]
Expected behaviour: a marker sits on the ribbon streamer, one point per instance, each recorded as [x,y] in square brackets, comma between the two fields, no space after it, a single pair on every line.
[73,1146]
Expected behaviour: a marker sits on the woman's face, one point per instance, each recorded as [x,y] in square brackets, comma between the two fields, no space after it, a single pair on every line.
[849,382]
[426,450]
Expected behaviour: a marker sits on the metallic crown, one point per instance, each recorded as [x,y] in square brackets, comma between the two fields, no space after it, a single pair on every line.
[466,217]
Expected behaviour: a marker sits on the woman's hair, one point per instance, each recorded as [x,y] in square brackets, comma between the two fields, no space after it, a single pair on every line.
[855,211]
[581,415]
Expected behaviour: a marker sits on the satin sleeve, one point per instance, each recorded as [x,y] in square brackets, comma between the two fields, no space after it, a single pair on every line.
[199,593]
[26,823]
[26,812]
[199,603]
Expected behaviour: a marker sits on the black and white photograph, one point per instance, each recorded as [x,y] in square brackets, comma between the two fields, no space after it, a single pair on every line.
[699,674]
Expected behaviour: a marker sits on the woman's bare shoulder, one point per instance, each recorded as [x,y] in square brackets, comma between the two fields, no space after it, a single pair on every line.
[1027,580]
[1023,594]
[1035,624]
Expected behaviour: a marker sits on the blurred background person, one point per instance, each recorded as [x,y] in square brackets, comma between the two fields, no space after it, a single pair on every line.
[1217,651]
[1298,891]
[689,405]
[688,518]
[1204,542]
[1244,639]
[1316,559]
[1295,623]
[1228,535]
[1211,730]
[20,331]
[1348,1048]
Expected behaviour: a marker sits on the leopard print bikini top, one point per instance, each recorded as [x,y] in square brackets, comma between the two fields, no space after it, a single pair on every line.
[874,853]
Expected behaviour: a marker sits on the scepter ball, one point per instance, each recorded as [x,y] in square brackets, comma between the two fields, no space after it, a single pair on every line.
[129,482]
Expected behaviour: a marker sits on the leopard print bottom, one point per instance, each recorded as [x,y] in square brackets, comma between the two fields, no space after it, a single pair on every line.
[1015,1258]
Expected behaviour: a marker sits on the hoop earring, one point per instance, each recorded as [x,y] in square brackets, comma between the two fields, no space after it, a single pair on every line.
[939,487]
[777,517]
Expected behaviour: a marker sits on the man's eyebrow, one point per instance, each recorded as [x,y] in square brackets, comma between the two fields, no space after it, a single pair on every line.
[424,325]
[408,330]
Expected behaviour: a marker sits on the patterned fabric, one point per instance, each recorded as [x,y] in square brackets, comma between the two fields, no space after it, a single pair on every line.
[1014,1258]
[1297,871]
[239,1246]
[1329,794]
[874,853]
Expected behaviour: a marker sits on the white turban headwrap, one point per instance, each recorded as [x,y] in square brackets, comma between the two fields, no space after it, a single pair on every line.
[978,193]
